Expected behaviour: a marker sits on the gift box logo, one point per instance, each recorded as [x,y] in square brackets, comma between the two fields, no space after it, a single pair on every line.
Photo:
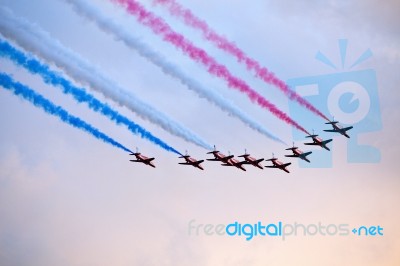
[351,97]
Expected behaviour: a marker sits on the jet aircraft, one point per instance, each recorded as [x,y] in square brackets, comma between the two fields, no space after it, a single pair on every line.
[298,153]
[318,141]
[278,164]
[337,128]
[251,160]
[236,163]
[218,156]
[142,159]
[191,161]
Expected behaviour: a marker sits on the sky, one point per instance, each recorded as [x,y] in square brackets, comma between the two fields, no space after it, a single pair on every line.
[67,198]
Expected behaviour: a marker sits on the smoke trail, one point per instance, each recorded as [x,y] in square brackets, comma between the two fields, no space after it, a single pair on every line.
[39,101]
[32,38]
[222,43]
[80,95]
[159,27]
[91,13]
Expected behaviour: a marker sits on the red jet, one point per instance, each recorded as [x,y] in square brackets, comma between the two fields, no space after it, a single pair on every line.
[192,161]
[236,163]
[318,141]
[250,160]
[142,159]
[337,128]
[298,153]
[278,164]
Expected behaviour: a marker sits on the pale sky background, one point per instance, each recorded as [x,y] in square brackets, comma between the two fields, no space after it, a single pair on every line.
[67,198]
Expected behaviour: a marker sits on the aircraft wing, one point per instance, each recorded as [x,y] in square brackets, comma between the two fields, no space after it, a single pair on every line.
[148,160]
[214,160]
[185,163]
[285,164]
[331,130]
[292,156]
[346,128]
[271,166]
[339,130]
[259,160]
[326,141]
[229,157]
[312,143]
[304,154]
[198,162]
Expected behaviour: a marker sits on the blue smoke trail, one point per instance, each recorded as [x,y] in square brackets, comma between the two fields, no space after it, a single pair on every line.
[39,101]
[34,39]
[80,95]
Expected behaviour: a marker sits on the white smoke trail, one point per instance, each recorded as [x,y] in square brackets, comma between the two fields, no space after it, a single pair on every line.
[34,39]
[107,25]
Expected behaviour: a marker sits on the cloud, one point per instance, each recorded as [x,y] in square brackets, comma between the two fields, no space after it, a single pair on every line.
[369,16]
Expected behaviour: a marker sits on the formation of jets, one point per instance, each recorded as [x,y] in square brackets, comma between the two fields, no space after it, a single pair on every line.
[229,160]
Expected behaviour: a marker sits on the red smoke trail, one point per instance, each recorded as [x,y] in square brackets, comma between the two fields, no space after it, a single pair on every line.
[199,55]
[221,42]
